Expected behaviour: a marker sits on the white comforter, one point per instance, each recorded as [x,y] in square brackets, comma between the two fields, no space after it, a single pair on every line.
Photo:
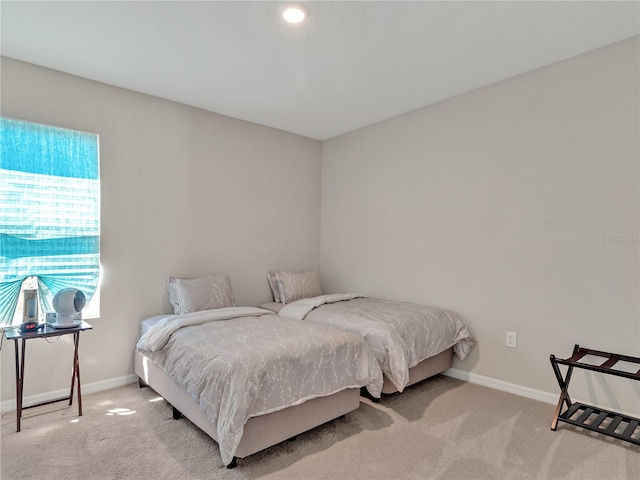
[239,363]
[401,334]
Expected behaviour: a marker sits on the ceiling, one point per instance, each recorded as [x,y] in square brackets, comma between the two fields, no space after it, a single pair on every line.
[350,64]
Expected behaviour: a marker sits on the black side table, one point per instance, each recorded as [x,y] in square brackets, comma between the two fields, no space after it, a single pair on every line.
[47,331]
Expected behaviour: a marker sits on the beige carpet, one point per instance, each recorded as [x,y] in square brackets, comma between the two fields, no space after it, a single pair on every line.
[441,429]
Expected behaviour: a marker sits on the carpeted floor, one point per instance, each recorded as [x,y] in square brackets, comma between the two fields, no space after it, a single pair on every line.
[441,429]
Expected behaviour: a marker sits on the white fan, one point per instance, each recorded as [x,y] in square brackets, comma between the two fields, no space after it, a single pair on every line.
[68,302]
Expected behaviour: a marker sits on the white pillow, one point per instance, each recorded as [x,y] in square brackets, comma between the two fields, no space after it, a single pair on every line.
[273,285]
[294,286]
[188,295]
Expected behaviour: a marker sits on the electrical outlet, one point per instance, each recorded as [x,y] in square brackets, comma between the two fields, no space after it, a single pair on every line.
[512,339]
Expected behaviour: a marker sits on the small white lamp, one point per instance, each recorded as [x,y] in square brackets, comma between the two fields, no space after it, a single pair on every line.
[68,302]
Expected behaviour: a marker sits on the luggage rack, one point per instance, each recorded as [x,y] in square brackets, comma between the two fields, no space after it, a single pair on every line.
[613,424]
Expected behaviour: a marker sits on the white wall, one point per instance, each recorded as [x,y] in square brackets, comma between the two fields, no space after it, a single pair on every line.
[494,204]
[184,192]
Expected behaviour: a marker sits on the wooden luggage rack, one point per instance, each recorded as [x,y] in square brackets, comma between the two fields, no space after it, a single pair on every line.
[610,423]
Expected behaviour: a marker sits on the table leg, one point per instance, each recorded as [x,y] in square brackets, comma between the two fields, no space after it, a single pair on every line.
[18,383]
[75,364]
[77,369]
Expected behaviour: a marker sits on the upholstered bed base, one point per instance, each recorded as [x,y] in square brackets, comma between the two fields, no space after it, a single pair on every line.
[425,369]
[259,432]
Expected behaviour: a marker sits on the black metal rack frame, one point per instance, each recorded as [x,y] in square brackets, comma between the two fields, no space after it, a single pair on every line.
[592,418]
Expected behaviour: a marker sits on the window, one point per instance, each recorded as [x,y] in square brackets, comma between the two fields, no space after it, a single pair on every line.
[49,212]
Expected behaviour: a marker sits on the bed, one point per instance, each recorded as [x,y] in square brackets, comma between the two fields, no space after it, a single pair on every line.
[411,342]
[251,379]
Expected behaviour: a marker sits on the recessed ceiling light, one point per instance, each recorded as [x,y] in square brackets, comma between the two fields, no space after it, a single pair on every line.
[295,12]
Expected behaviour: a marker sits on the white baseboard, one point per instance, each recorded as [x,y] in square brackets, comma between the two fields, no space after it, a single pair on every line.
[545,397]
[527,392]
[10,405]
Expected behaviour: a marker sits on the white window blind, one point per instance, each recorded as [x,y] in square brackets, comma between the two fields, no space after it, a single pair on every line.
[49,211]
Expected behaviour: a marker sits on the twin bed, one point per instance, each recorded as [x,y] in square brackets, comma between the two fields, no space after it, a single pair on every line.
[410,342]
[251,378]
